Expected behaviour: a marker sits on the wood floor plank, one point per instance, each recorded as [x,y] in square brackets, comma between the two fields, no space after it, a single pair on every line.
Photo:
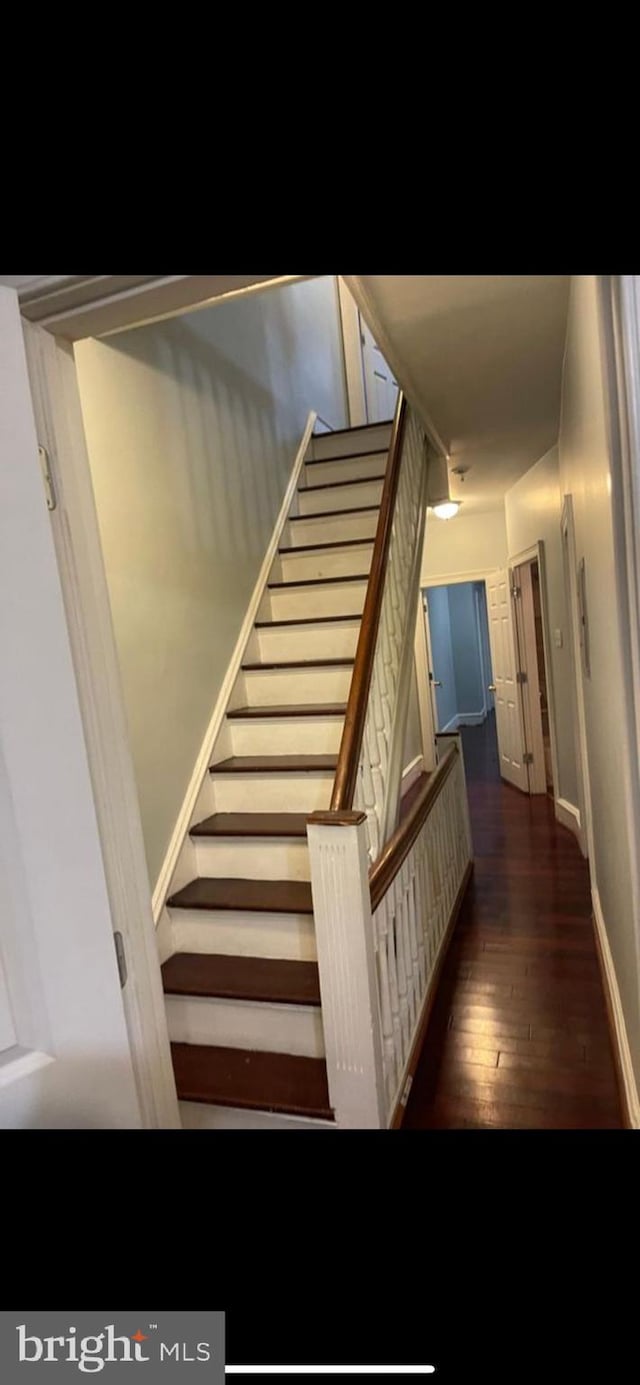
[518,1036]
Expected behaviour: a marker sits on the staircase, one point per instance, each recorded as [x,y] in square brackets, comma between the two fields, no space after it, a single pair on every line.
[241,988]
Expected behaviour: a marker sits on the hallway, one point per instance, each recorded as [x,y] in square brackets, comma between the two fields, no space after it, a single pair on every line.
[519,1037]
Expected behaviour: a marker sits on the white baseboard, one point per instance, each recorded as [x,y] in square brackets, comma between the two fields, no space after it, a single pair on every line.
[463,719]
[569,816]
[183,823]
[615,1010]
[411,773]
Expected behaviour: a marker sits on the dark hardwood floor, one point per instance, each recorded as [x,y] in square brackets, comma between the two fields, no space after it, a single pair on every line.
[519,1036]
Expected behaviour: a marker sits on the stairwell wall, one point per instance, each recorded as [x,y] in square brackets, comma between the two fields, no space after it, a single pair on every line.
[586,473]
[192,426]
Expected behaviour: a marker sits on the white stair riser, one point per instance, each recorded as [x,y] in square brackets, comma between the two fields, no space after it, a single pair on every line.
[272,793]
[335,529]
[311,502]
[241,1024]
[304,642]
[253,858]
[338,598]
[201,1116]
[285,736]
[356,469]
[336,444]
[277,686]
[237,934]
[330,562]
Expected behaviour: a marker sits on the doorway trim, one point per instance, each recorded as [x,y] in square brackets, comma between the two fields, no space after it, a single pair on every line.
[352,351]
[535,553]
[452,579]
[56,403]
[570,569]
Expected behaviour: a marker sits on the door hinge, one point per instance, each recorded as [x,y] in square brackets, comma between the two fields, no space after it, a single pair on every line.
[528,758]
[515,591]
[521,678]
[49,488]
[121,959]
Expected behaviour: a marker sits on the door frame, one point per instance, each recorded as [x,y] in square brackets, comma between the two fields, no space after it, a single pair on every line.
[536,553]
[487,695]
[570,570]
[56,403]
[352,351]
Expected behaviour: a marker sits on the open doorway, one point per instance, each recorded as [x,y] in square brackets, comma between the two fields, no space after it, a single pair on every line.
[532,675]
[460,670]
[371,384]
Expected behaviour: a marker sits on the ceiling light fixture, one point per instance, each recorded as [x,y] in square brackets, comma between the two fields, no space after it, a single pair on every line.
[446,509]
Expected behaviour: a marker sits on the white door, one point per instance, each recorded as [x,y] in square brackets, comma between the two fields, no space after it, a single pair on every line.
[65,1059]
[506,689]
[381,387]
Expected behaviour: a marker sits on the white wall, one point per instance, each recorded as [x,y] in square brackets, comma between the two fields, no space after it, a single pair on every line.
[475,542]
[585,473]
[533,511]
[192,427]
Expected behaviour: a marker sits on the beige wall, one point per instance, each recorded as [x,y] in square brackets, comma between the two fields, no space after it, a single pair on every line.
[585,474]
[192,427]
[533,510]
[469,543]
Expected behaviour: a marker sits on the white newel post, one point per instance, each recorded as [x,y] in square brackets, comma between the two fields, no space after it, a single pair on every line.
[338,850]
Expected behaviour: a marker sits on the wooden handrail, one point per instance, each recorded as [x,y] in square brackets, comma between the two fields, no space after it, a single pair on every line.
[385,869]
[347,769]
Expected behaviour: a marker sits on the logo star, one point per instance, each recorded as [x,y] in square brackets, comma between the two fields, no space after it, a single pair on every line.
[138,1336]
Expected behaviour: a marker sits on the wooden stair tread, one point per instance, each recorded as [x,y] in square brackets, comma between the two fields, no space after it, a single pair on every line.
[298,663]
[320,581]
[239,1077]
[356,428]
[347,456]
[334,514]
[335,543]
[265,979]
[307,620]
[252,825]
[275,764]
[291,709]
[335,485]
[255,896]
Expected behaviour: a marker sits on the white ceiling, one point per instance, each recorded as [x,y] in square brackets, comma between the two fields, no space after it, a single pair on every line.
[483,355]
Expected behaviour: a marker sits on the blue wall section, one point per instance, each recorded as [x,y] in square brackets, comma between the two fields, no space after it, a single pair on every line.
[442,655]
[465,644]
[459,648]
